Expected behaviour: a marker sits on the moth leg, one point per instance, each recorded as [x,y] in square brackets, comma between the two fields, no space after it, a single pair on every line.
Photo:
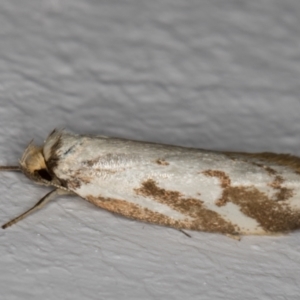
[37,206]
[10,168]
[185,233]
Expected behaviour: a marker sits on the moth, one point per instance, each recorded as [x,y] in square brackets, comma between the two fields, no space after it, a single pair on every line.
[222,192]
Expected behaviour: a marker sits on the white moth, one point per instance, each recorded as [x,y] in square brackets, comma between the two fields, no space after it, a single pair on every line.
[185,188]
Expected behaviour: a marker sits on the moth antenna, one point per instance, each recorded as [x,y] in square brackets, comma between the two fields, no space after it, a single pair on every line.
[10,168]
[37,206]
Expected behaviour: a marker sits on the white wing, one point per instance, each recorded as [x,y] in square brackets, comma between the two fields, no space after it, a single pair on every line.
[180,187]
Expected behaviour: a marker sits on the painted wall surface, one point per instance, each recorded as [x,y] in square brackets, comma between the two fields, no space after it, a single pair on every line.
[211,74]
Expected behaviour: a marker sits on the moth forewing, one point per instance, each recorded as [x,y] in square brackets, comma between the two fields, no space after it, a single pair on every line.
[185,188]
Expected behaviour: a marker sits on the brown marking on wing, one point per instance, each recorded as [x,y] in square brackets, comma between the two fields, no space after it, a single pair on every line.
[269,170]
[286,160]
[85,176]
[277,182]
[73,184]
[162,162]
[203,218]
[91,162]
[77,178]
[283,193]
[224,178]
[134,211]
[271,215]
[225,183]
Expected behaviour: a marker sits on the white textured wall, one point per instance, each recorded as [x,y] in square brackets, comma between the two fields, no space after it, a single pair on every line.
[211,74]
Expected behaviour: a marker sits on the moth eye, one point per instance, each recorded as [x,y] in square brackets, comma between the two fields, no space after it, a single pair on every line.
[44,174]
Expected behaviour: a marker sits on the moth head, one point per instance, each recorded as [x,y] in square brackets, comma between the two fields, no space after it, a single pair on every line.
[33,165]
